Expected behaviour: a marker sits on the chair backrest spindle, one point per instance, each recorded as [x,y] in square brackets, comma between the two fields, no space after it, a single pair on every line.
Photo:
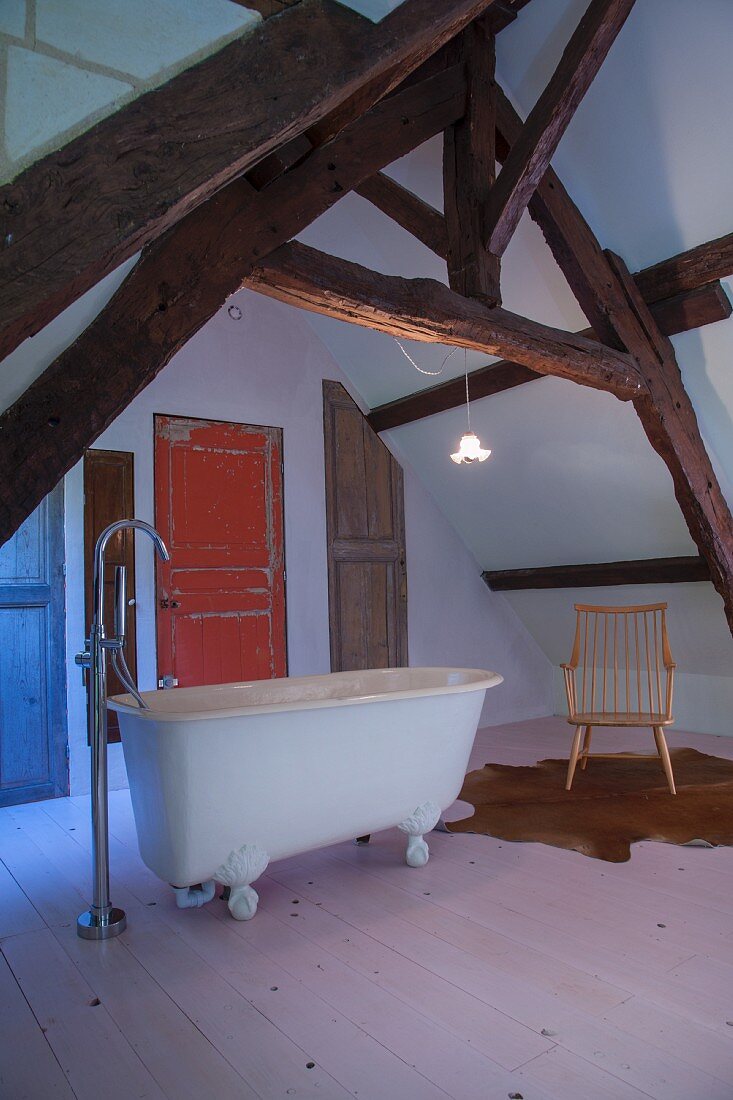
[620,663]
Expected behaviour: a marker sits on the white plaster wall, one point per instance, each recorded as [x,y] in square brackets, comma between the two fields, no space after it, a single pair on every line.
[453,618]
[267,369]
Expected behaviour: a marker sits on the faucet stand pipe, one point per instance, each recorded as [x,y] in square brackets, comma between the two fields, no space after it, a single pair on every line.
[102,920]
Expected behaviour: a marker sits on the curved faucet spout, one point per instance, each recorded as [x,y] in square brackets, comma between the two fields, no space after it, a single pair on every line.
[99,549]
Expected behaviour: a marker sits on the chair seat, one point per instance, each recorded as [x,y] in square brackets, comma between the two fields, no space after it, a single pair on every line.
[601,718]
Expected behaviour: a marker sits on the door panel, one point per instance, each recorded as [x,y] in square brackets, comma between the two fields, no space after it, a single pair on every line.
[218,505]
[109,495]
[33,761]
[367,577]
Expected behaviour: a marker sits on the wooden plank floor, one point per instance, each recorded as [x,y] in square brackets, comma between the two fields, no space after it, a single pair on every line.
[498,970]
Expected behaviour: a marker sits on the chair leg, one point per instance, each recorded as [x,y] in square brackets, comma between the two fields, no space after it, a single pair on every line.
[664,754]
[573,757]
[586,747]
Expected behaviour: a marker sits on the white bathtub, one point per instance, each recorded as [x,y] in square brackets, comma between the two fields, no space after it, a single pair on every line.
[224,779]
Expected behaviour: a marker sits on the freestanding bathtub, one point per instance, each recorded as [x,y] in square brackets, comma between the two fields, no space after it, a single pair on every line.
[224,779]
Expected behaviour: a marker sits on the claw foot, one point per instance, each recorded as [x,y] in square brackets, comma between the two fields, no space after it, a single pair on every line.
[243,902]
[241,869]
[193,897]
[425,818]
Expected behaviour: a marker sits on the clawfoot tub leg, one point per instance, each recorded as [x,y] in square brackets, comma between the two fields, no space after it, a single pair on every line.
[193,897]
[238,871]
[424,819]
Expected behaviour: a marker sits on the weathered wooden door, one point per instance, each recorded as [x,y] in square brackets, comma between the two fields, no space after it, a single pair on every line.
[109,495]
[219,507]
[365,517]
[33,763]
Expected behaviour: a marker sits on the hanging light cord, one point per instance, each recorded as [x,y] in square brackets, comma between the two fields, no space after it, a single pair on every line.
[468,403]
[430,373]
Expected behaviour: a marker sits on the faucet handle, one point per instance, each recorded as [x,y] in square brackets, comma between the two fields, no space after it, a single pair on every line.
[120,617]
[84,661]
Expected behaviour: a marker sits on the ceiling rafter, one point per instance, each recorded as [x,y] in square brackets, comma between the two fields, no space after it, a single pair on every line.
[670,423]
[469,168]
[700,303]
[533,147]
[688,281]
[415,215]
[687,270]
[175,288]
[423,309]
[76,214]
[600,574]
[692,309]
[613,304]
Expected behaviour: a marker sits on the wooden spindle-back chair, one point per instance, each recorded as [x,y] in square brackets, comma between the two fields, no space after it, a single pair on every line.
[621,673]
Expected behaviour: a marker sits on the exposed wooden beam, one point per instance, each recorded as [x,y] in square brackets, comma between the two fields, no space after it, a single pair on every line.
[569,237]
[279,162]
[267,8]
[411,212]
[469,169]
[422,309]
[688,270]
[670,423]
[79,212]
[600,574]
[532,151]
[690,310]
[484,382]
[504,12]
[615,308]
[183,279]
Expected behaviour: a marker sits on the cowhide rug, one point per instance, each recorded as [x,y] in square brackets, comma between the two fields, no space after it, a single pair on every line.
[612,803]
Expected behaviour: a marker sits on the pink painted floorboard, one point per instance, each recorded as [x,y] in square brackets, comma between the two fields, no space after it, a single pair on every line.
[499,968]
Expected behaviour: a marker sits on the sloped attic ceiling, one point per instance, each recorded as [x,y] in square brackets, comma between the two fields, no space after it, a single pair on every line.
[572,479]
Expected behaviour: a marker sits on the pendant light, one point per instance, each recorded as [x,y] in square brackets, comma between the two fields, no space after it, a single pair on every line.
[469,449]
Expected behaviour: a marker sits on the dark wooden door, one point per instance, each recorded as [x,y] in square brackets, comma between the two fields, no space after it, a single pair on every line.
[33,762]
[109,495]
[219,507]
[365,518]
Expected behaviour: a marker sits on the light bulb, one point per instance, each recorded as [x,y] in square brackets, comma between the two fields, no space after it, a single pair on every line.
[470,450]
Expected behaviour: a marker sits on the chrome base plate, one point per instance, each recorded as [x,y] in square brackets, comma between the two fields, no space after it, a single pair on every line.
[90,927]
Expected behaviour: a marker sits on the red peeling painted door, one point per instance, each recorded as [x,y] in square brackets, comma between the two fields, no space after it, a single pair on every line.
[219,507]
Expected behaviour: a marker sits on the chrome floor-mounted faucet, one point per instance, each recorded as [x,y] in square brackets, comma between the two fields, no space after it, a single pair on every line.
[101,921]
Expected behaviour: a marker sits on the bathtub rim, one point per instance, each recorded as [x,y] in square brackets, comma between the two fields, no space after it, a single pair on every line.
[484,679]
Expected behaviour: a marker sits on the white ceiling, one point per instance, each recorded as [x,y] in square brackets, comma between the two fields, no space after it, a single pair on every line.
[572,478]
